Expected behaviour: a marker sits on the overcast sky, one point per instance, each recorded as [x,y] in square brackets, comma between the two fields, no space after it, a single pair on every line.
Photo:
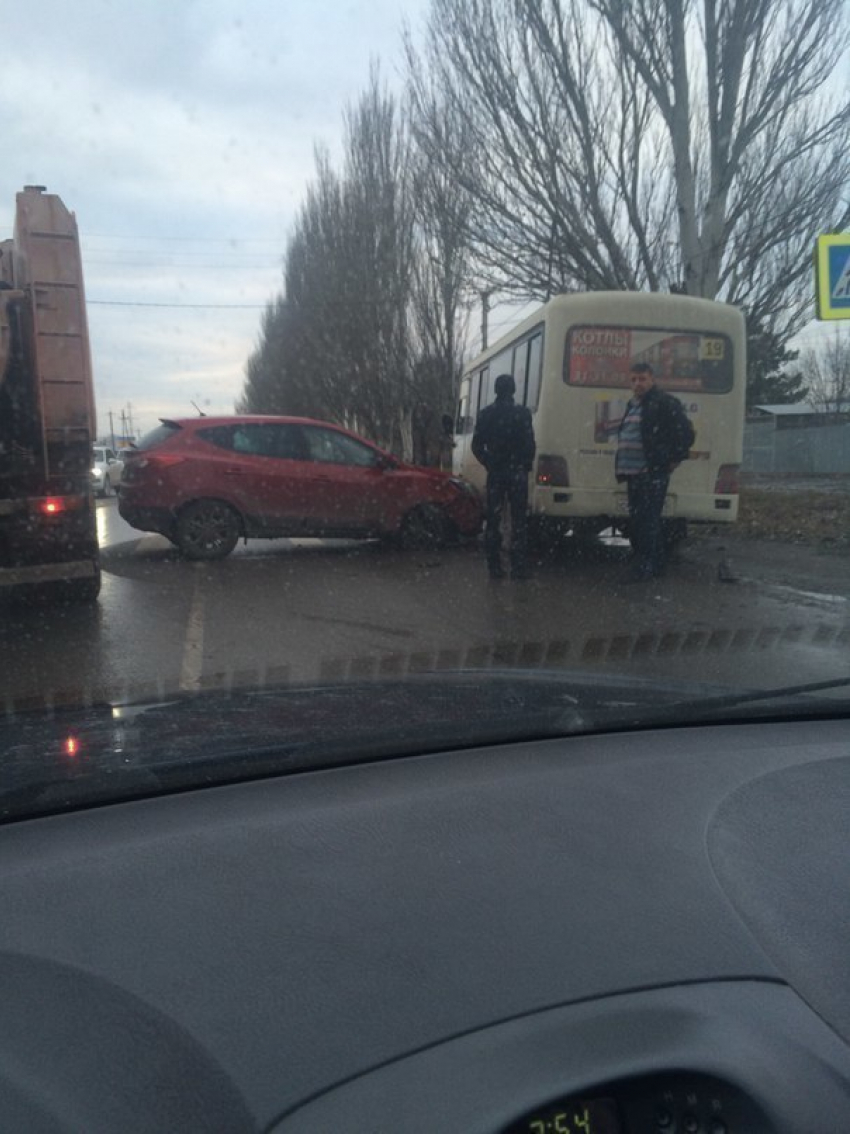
[181,134]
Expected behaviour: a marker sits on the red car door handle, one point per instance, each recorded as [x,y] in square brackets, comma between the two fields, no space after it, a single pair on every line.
[234,471]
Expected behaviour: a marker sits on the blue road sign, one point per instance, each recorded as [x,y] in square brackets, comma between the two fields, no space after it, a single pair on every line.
[832,276]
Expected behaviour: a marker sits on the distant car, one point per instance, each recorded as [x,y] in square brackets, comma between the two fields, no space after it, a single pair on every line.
[106,470]
[205,482]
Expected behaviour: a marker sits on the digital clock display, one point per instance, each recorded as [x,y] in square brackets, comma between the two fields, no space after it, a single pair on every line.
[573,1116]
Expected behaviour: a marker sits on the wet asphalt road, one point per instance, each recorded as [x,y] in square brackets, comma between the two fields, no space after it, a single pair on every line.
[309,610]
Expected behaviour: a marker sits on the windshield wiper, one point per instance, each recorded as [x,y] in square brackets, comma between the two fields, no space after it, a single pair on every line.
[711,706]
[732,699]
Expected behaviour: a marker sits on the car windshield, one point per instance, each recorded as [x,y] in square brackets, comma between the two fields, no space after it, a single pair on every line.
[475,371]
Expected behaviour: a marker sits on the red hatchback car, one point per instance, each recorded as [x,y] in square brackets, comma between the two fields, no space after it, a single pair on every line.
[205,482]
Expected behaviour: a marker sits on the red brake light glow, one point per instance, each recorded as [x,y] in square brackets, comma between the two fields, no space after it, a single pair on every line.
[71,746]
[56,505]
[552,471]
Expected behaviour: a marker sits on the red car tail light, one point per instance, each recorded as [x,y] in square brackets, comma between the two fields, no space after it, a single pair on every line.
[728,480]
[552,472]
[157,461]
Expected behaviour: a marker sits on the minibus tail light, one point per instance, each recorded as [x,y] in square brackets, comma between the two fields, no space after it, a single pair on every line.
[552,471]
[728,480]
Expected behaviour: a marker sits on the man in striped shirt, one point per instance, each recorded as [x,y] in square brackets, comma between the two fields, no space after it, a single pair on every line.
[653,438]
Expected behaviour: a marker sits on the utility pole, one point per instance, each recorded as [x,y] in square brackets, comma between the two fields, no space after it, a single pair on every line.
[550,265]
[111,430]
[485,311]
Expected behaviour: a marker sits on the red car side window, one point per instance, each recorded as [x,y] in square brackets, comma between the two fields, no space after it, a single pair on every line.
[339,449]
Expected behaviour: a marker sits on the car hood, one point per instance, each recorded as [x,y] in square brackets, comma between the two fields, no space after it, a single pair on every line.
[77,757]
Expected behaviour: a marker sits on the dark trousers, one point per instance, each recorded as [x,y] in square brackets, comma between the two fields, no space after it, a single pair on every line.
[646,503]
[511,489]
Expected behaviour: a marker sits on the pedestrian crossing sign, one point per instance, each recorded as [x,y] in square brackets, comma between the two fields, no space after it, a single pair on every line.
[832,276]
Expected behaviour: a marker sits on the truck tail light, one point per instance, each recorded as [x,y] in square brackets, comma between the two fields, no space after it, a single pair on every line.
[728,481]
[552,472]
[56,505]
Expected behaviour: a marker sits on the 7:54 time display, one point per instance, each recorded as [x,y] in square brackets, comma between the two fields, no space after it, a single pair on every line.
[576,1116]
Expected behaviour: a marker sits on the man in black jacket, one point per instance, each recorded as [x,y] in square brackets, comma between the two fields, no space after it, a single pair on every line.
[503,442]
[654,437]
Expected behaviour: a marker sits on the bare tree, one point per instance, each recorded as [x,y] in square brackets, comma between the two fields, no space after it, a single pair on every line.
[381,234]
[336,344]
[266,388]
[645,143]
[441,271]
[439,314]
[300,362]
[826,371]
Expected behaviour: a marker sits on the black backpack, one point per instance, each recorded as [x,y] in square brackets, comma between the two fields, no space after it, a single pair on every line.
[683,434]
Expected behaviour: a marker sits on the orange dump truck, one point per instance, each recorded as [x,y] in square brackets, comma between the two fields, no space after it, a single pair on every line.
[48,535]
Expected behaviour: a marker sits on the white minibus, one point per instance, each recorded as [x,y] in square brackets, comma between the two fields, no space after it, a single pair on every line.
[571,362]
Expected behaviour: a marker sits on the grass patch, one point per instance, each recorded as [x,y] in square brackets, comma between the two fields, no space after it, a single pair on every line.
[804,516]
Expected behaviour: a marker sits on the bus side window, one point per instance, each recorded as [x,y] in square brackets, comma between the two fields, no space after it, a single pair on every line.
[535,368]
[463,406]
[462,415]
[501,364]
[520,369]
[481,390]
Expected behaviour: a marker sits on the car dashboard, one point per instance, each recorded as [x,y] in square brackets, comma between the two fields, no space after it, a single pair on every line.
[603,934]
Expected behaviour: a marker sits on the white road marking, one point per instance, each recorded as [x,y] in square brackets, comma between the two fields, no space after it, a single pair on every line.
[817,596]
[193,647]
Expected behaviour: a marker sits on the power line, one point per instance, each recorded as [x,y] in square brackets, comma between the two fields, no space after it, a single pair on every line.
[197,306]
[176,265]
[113,255]
[189,239]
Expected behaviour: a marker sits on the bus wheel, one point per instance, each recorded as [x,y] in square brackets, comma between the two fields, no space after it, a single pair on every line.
[621,529]
[586,533]
[673,532]
[207,529]
[424,528]
[546,535]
